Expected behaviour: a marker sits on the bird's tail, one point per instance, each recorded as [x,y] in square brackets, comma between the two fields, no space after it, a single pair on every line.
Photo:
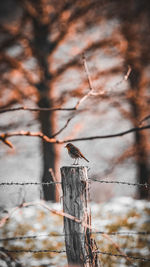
[85,158]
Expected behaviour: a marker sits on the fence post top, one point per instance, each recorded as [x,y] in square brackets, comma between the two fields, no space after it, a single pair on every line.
[74,167]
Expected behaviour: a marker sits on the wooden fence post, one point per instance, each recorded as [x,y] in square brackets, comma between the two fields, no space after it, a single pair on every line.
[79,244]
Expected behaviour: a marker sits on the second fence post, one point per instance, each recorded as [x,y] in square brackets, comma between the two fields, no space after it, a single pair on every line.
[79,244]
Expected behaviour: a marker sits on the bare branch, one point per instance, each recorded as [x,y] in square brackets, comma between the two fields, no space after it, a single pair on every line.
[136,129]
[91,91]
[5,141]
[4,136]
[36,109]
[56,141]
[87,72]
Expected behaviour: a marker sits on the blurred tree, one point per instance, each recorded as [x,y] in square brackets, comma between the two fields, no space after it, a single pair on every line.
[31,39]
[36,32]
[134,17]
[135,28]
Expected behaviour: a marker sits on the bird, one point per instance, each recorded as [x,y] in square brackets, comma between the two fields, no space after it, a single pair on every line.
[75,153]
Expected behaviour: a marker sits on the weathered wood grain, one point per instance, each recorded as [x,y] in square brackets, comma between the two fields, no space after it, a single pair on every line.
[79,245]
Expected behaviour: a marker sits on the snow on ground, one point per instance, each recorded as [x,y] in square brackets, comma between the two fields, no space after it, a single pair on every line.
[117,215]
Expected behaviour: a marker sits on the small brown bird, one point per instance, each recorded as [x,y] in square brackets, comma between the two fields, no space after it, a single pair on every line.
[75,153]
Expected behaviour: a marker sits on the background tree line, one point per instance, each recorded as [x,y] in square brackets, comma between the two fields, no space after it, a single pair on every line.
[41,47]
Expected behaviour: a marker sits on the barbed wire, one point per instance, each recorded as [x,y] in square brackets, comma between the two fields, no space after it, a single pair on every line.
[145,185]
[27,237]
[58,235]
[120,255]
[122,233]
[64,251]
[28,183]
[32,250]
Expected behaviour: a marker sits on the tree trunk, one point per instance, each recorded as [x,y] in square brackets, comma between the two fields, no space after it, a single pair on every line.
[47,121]
[42,48]
[142,157]
[137,100]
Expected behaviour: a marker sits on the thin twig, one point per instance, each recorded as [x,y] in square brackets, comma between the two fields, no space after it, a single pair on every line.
[5,141]
[64,127]
[120,255]
[144,119]
[87,73]
[125,78]
[91,91]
